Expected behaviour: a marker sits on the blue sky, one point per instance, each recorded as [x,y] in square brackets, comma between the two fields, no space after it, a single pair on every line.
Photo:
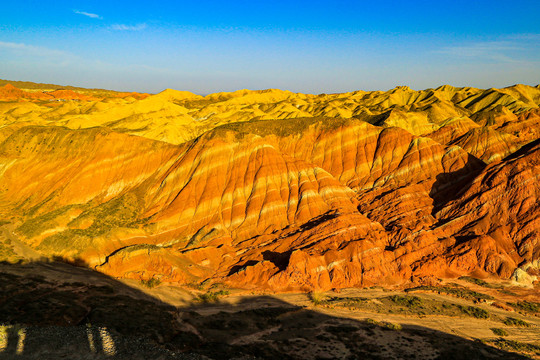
[305,46]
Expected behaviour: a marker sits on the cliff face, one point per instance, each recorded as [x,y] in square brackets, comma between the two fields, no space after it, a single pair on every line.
[498,215]
[271,189]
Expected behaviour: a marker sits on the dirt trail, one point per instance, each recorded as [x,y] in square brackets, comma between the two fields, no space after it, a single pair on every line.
[20,248]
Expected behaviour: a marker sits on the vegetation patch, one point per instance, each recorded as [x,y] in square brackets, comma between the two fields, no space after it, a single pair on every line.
[212,296]
[316,298]
[391,326]
[408,301]
[116,213]
[512,345]
[150,283]
[510,321]
[454,290]
[384,324]
[478,282]
[404,304]
[37,225]
[526,306]
[474,312]
[119,212]
[499,332]
[7,254]
[507,292]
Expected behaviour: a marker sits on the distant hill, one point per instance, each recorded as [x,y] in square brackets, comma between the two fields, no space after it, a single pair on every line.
[11,90]
[33,85]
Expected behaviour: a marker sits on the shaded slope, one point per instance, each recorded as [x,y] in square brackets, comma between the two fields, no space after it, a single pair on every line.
[89,315]
[498,215]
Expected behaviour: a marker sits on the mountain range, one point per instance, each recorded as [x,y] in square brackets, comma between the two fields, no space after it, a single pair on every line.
[276,190]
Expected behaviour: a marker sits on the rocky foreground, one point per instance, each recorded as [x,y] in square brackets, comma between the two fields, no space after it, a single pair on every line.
[275,190]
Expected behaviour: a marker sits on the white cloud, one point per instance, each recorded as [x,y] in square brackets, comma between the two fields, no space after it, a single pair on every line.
[525,36]
[26,49]
[123,27]
[90,15]
[500,51]
[508,49]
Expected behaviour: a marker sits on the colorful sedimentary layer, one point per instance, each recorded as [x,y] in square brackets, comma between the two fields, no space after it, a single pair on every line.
[276,190]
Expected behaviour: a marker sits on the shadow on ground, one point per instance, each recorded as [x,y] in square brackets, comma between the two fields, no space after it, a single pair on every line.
[46,314]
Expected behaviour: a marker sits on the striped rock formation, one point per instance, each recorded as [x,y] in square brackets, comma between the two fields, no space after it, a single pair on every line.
[276,190]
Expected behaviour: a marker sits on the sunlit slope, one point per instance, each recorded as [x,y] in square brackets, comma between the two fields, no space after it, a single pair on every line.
[273,189]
